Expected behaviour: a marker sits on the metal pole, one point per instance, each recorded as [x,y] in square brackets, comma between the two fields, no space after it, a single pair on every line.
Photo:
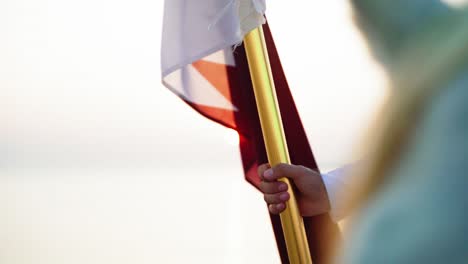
[275,141]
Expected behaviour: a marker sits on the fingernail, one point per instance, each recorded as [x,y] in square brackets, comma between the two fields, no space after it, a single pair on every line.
[271,207]
[284,196]
[268,173]
[283,187]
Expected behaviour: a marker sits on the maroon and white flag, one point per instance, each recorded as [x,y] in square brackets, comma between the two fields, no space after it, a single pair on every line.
[205,64]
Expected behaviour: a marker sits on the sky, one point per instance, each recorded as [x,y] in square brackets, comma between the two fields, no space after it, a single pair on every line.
[84,79]
[99,163]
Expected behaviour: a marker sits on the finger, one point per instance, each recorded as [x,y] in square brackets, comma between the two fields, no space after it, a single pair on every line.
[262,168]
[273,187]
[276,198]
[286,170]
[276,208]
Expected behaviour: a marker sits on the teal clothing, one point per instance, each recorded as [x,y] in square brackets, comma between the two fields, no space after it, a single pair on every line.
[390,24]
[420,215]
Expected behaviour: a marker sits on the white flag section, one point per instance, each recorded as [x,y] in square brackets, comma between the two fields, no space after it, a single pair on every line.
[196,30]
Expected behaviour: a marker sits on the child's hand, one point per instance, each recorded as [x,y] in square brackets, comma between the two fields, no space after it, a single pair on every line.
[312,196]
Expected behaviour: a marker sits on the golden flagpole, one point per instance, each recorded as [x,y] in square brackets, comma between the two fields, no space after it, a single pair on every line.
[275,140]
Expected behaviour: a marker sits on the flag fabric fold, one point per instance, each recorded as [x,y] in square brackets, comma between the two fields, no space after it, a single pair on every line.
[194,29]
[201,64]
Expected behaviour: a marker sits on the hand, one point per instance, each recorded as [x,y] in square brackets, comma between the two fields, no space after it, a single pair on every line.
[311,194]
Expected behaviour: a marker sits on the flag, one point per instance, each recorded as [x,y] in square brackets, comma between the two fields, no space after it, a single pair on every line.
[204,63]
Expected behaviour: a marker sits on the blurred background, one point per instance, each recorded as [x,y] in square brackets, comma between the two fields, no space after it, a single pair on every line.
[99,163]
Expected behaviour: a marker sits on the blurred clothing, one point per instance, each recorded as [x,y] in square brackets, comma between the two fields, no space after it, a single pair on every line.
[337,182]
[418,214]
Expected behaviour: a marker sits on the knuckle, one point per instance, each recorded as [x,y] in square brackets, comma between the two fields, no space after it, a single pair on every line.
[271,198]
[276,198]
[304,171]
[265,187]
[272,188]
[260,170]
[271,209]
[262,186]
[281,168]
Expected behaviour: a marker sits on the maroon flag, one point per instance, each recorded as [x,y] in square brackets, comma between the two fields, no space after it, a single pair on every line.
[233,105]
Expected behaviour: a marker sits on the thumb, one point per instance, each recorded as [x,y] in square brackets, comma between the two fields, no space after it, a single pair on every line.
[281,170]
